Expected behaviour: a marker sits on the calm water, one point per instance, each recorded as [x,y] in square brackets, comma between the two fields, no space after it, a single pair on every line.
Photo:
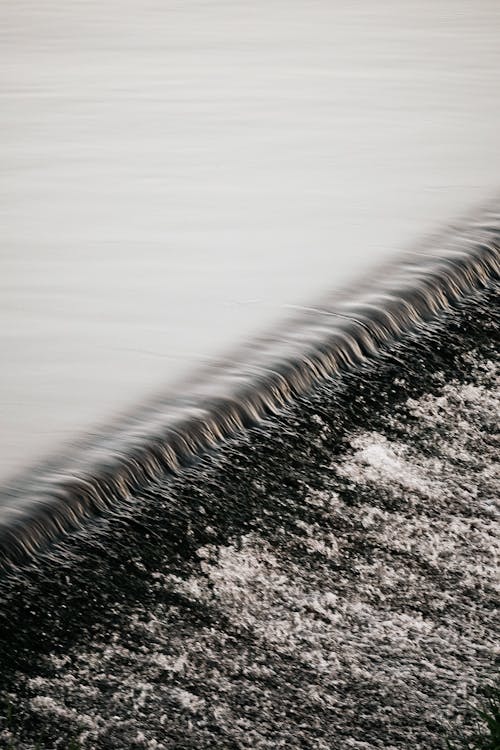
[176,175]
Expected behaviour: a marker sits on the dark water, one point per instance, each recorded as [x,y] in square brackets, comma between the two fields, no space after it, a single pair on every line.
[325,580]
[295,549]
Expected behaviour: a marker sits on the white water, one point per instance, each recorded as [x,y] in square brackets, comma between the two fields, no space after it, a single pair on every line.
[175,174]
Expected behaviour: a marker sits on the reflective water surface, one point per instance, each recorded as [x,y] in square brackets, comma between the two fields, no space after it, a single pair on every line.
[174,175]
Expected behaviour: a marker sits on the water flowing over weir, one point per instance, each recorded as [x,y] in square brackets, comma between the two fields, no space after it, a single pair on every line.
[339,333]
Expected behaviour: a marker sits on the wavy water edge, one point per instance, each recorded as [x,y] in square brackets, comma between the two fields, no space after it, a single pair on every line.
[325,579]
[340,332]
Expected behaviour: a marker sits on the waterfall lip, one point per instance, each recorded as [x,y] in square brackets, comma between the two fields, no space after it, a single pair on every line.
[339,332]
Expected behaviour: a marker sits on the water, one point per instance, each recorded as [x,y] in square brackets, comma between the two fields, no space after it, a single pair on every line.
[176,174]
[295,546]
[339,334]
[326,580]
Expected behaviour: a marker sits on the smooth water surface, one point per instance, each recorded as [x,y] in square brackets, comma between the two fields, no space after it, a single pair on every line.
[176,175]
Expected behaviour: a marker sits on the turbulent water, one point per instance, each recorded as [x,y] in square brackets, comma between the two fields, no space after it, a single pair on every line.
[326,580]
[295,547]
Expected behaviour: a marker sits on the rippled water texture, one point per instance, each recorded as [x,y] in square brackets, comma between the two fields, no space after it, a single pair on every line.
[293,544]
[175,174]
[341,333]
[326,581]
